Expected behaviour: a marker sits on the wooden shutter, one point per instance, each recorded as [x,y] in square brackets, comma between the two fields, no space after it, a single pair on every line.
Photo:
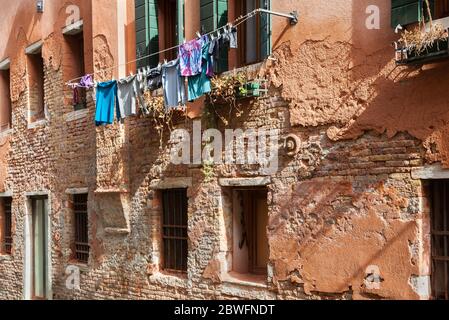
[180,21]
[147,32]
[406,12]
[214,14]
[207,15]
[265,30]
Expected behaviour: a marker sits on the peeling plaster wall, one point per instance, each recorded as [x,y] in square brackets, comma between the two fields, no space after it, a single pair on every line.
[348,79]
[345,202]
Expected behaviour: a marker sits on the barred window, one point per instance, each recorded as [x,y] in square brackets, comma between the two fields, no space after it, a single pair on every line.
[7,225]
[81,228]
[440,238]
[174,232]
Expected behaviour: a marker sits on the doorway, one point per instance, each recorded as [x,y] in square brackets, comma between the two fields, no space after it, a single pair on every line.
[39,247]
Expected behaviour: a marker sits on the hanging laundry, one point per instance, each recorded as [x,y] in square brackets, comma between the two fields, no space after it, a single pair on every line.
[106,102]
[86,82]
[173,84]
[155,78]
[233,38]
[126,94]
[141,82]
[201,84]
[75,93]
[190,57]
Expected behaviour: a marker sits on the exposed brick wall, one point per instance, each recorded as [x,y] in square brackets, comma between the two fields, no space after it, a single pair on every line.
[334,207]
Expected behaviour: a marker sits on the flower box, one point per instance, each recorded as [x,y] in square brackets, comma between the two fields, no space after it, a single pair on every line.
[252,89]
[438,50]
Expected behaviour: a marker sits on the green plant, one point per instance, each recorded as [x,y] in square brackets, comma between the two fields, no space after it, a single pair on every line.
[208,171]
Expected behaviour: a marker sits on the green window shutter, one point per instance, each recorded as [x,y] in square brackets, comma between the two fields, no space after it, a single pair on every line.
[265,30]
[222,20]
[207,15]
[153,32]
[213,15]
[405,12]
[147,32]
[180,21]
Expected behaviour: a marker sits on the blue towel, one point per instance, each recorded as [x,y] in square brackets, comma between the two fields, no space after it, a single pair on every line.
[106,101]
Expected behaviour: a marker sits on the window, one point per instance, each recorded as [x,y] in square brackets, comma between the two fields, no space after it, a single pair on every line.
[213,15]
[254,35]
[174,230]
[250,241]
[405,12]
[441,9]
[36,85]
[439,190]
[74,66]
[159,26]
[6,224]
[5,100]
[81,228]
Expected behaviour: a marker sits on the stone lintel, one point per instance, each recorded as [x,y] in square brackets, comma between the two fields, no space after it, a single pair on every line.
[432,172]
[245,182]
[171,183]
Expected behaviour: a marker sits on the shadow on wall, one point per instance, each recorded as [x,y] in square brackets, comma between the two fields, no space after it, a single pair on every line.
[354,85]
[331,232]
[391,98]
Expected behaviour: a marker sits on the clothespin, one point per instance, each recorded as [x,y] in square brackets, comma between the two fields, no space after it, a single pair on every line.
[165,61]
[198,34]
[148,69]
[219,33]
[212,37]
[185,41]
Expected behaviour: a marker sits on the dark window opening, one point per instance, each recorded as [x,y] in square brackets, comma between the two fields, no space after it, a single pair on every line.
[250,245]
[7,225]
[441,9]
[174,230]
[36,87]
[81,228]
[5,101]
[440,238]
[254,43]
[168,28]
[74,67]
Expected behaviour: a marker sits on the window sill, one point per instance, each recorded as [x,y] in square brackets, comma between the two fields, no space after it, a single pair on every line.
[249,280]
[170,279]
[37,124]
[251,70]
[5,133]
[5,257]
[84,267]
[76,115]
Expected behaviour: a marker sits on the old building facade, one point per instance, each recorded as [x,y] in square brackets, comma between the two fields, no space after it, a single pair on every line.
[355,210]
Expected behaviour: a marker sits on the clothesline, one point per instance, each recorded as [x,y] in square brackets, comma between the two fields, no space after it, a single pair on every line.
[235,23]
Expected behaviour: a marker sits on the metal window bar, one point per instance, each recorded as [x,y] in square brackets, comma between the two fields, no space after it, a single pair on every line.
[174,230]
[81,228]
[8,225]
[440,239]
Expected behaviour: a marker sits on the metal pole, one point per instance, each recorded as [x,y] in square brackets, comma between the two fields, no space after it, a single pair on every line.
[293,16]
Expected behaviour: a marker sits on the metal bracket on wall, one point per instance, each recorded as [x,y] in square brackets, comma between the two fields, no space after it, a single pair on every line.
[293,16]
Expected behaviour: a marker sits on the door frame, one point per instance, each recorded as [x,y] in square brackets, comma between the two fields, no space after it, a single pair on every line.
[28,272]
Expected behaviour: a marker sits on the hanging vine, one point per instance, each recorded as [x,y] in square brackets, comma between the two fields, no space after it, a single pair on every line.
[225,91]
[162,118]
